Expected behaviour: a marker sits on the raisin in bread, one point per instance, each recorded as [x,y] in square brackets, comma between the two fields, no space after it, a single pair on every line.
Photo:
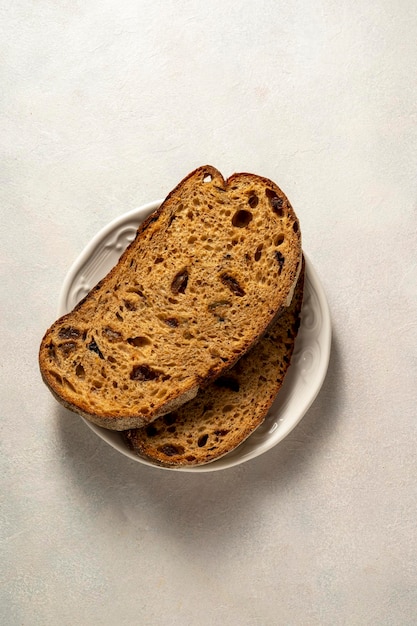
[224,414]
[205,276]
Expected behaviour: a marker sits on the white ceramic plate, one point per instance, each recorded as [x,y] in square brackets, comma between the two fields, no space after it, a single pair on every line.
[304,378]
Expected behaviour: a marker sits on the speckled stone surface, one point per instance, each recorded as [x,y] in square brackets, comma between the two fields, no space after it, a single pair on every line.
[105,106]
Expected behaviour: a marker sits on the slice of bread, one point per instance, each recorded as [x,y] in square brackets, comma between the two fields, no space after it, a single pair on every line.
[224,414]
[205,276]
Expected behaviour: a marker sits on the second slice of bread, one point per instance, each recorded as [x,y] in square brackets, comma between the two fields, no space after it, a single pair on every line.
[205,276]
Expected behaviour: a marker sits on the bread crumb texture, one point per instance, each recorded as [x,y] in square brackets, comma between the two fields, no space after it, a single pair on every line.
[205,276]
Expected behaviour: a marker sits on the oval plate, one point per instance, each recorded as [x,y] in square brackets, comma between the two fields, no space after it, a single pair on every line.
[302,382]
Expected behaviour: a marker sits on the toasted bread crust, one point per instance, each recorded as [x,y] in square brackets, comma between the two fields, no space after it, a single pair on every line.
[204,278]
[223,415]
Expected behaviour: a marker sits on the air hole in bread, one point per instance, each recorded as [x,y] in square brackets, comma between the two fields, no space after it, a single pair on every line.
[221,433]
[144,373]
[170,449]
[172,217]
[151,431]
[227,408]
[139,342]
[170,418]
[111,359]
[68,384]
[137,290]
[279,240]
[207,178]
[192,239]
[158,259]
[228,382]
[258,252]
[172,322]
[295,227]
[253,201]
[202,440]
[180,282]
[51,350]
[171,429]
[93,347]
[80,371]
[275,201]
[144,410]
[242,218]
[281,260]
[196,202]
[130,306]
[119,317]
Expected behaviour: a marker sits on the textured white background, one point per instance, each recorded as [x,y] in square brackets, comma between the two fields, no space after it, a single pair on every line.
[106,105]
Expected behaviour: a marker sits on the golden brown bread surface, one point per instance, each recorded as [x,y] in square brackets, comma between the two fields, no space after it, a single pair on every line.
[205,276]
[224,414]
